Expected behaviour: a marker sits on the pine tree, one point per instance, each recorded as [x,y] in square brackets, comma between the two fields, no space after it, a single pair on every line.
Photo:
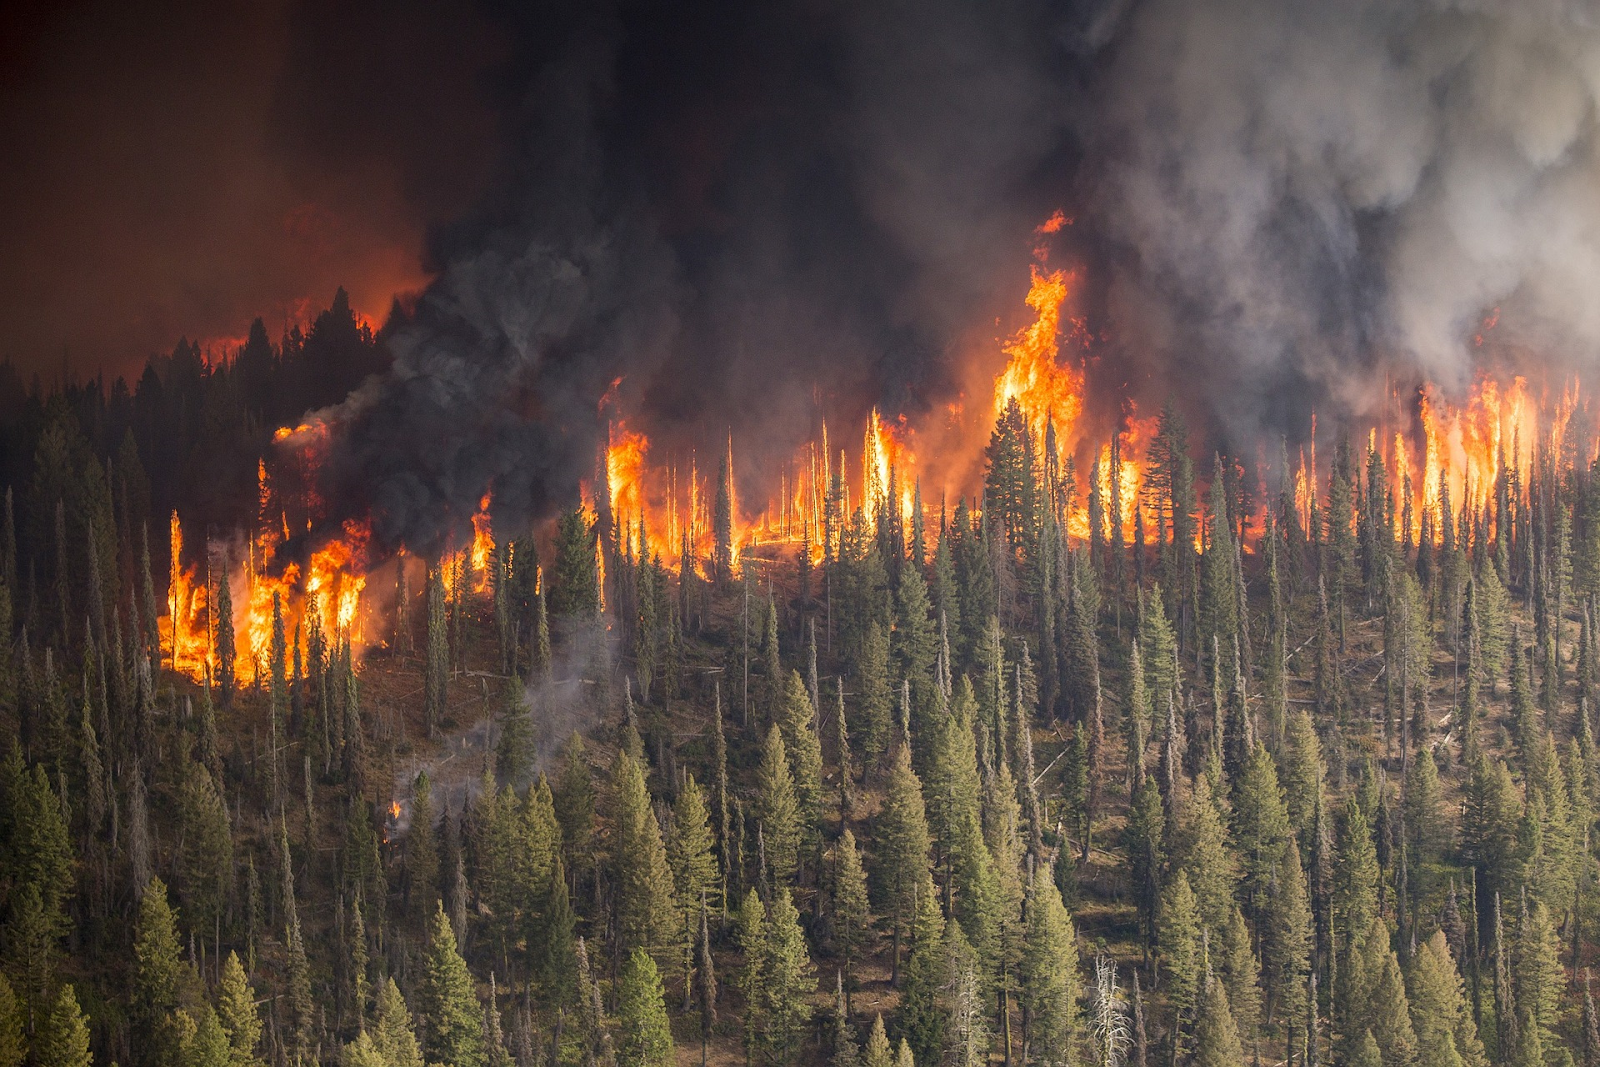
[1216,1037]
[224,640]
[923,1019]
[1536,964]
[449,1005]
[62,1039]
[158,977]
[1203,852]
[1440,1011]
[694,869]
[422,852]
[392,1034]
[236,1010]
[436,663]
[206,857]
[902,841]
[1241,974]
[642,1015]
[798,719]
[877,1053]
[13,1045]
[1261,829]
[1051,985]
[777,809]
[647,916]
[852,917]
[1287,935]
[877,699]
[574,803]
[787,981]
[1179,937]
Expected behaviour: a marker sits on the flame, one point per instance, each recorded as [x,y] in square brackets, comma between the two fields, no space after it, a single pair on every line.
[1048,392]
[482,551]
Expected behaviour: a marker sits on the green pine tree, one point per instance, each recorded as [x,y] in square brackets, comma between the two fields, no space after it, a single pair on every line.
[646,1035]
[236,1010]
[777,809]
[647,914]
[1051,984]
[62,1039]
[449,1006]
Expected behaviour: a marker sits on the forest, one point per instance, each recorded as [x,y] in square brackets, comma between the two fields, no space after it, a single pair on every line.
[1303,778]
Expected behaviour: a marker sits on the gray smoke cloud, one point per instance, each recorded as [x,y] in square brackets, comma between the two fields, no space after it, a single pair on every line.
[753,214]
[1300,196]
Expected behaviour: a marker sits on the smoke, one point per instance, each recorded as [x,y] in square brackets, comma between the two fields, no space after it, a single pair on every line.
[739,218]
[1300,199]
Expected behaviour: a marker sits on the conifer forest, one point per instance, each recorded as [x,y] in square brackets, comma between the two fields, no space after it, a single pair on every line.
[805,533]
[1302,775]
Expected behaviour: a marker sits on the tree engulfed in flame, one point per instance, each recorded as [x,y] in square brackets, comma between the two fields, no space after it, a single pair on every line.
[669,508]
[1049,392]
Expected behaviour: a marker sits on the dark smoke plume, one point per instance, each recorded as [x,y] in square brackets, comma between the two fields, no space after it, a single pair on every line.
[753,214]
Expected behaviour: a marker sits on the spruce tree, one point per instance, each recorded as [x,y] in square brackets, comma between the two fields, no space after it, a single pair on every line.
[777,812]
[1179,936]
[1051,984]
[448,1004]
[901,835]
[647,915]
[436,662]
[646,1036]
[62,1039]
[236,1010]
[852,917]
[787,981]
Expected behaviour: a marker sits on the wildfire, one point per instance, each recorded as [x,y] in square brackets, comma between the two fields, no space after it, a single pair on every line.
[1049,393]
[482,551]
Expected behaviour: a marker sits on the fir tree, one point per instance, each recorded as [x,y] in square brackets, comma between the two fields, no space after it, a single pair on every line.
[787,981]
[852,917]
[1051,985]
[236,1010]
[647,916]
[454,1029]
[902,841]
[62,1039]
[642,1015]
[436,663]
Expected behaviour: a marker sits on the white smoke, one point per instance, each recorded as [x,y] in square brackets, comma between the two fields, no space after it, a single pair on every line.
[1306,194]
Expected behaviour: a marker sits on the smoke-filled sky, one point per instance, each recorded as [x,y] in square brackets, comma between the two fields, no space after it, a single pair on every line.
[176,169]
[739,208]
